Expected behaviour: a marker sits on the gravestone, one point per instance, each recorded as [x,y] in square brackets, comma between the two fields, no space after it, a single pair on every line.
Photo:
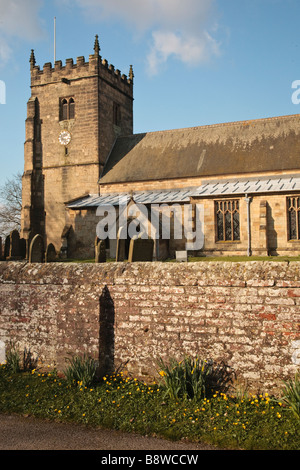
[14,248]
[64,241]
[181,256]
[22,246]
[7,247]
[121,244]
[141,249]
[100,252]
[50,255]
[36,250]
[2,352]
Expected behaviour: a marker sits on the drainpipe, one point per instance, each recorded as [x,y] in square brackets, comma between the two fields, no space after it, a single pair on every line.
[248,201]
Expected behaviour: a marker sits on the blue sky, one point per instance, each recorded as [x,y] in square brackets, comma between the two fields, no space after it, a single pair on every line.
[195,62]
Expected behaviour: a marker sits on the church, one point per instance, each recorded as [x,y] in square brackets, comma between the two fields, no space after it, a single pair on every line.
[81,154]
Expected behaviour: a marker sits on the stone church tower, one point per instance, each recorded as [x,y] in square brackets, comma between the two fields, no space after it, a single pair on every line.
[74,115]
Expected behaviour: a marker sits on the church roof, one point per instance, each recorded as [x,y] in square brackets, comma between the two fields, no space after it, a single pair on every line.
[229,187]
[263,145]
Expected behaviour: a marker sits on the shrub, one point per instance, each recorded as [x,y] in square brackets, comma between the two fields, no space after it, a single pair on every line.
[82,370]
[291,393]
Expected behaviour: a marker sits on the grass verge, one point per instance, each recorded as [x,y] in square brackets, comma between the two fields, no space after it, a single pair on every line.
[127,404]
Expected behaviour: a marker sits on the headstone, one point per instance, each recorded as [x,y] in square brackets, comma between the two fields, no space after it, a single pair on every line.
[50,255]
[141,249]
[100,252]
[181,256]
[22,248]
[14,249]
[7,247]
[64,241]
[36,250]
[2,352]
[121,244]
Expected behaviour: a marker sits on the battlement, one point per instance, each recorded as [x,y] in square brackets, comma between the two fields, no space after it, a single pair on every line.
[95,66]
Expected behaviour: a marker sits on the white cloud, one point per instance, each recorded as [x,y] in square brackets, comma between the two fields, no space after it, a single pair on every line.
[189,49]
[178,28]
[18,19]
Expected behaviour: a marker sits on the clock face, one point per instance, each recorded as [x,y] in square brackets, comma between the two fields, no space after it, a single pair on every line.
[64,137]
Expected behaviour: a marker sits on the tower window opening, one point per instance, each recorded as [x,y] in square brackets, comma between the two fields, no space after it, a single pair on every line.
[71,109]
[117,114]
[67,109]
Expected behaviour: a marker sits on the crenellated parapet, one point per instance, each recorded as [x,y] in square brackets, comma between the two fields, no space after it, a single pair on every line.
[72,70]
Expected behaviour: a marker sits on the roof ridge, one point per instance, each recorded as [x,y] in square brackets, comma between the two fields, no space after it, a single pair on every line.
[221,124]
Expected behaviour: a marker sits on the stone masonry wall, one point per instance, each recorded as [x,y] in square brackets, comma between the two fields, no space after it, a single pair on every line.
[246,314]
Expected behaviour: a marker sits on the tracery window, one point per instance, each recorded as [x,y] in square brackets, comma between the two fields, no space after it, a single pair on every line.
[227,215]
[67,109]
[293,212]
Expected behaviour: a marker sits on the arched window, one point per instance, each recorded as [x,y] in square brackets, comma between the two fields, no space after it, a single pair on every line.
[71,109]
[67,109]
[64,110]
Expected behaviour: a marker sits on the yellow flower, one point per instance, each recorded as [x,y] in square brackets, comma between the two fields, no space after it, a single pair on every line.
[162,373]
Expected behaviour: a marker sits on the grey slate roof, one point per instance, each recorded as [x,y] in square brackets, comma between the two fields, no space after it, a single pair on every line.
[247,147]
[230,187]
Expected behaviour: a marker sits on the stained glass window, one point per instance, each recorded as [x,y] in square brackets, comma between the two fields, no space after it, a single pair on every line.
[227,220]
[293,204]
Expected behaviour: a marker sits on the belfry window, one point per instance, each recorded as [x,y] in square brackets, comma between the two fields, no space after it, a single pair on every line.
[293,213]
[71,109]
[117,114]
[227,216]
[67,109]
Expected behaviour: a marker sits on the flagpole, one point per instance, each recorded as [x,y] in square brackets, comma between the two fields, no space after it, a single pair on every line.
[54,39]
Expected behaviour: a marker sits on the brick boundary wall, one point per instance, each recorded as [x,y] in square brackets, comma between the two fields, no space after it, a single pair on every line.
[245,314]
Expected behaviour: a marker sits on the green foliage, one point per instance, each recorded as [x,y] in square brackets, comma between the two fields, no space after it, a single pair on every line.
[130,405]
[82,370]
[193,378]
[13,358]
[29,361]
[291,394]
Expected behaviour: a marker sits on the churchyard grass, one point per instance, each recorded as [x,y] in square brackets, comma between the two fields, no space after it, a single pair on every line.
[227,420]
[194,259]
